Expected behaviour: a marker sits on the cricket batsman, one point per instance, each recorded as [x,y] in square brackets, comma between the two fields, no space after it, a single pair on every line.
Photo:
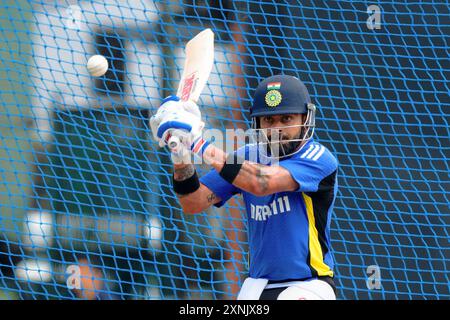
[289,202]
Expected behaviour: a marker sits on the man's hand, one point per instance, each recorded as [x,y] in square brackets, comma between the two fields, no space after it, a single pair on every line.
[177,118]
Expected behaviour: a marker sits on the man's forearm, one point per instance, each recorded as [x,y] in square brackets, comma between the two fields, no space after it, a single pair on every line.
[182,172]
[251,177]
[182,175]
[200,199]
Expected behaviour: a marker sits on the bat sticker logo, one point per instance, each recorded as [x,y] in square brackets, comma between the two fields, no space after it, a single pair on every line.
[188,86]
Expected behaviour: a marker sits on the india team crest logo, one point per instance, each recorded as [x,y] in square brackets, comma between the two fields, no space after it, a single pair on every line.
[273,96]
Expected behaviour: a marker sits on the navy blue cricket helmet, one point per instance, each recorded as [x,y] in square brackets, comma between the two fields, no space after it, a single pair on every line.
[280,94]
[283,94]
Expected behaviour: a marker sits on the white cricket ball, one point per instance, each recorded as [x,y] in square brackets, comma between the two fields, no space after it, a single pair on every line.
[97,65]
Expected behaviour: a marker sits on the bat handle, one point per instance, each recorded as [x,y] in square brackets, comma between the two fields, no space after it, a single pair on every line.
[173,143]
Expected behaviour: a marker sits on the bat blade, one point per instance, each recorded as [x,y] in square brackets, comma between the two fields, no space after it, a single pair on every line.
[197,66]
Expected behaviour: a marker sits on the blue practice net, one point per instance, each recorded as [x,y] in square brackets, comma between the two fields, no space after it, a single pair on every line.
[87,210]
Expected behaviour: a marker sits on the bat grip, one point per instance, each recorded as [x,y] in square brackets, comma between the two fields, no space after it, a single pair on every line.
[173,143]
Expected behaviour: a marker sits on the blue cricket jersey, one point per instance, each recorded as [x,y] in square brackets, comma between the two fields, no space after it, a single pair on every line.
[289,232]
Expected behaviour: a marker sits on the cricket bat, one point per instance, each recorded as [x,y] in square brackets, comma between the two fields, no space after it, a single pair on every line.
[197,67]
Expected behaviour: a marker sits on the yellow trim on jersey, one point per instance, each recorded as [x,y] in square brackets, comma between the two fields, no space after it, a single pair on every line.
[315,250]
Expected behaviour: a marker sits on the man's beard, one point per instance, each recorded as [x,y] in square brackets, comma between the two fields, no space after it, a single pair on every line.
[278,148]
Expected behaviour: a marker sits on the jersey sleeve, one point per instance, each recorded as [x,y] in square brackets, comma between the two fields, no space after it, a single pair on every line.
[219,186]
[308,172]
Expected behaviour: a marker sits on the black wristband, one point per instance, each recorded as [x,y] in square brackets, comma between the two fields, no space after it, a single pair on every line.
[187,186]
[231,168]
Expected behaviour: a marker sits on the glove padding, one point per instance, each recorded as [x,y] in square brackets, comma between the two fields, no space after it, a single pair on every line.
[177,118]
